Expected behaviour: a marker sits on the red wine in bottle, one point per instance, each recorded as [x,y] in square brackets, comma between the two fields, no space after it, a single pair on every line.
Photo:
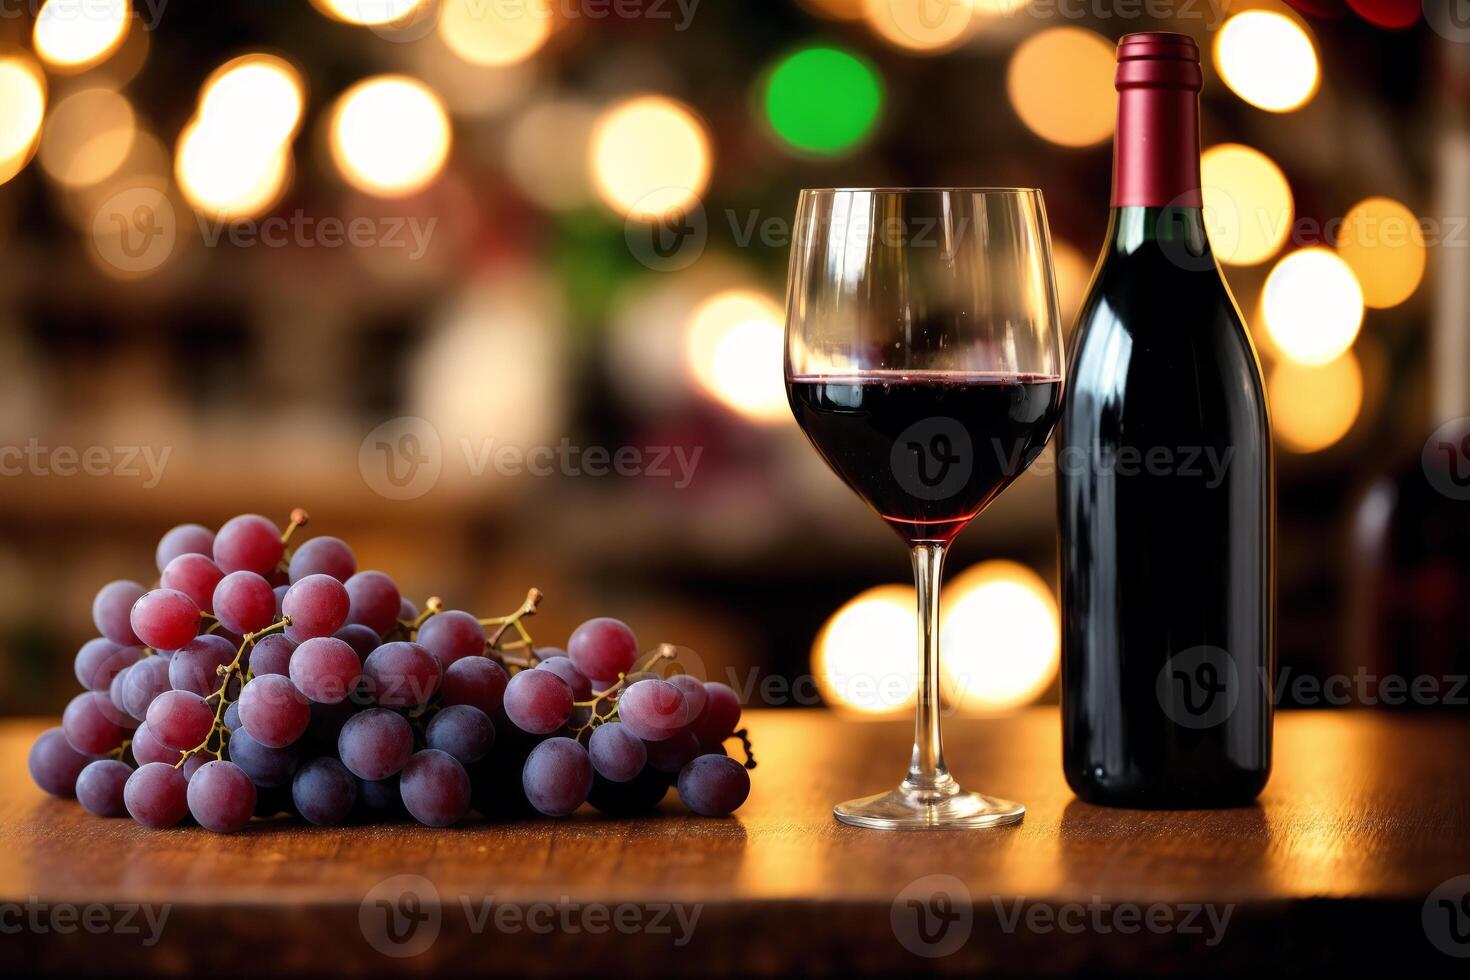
[1165,484]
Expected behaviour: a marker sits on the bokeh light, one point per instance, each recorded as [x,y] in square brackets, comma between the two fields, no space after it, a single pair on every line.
[650,157]
[1314,406]
[390,135]
[1383,242]
[546,153]
[1268,59]
[227,173]
[88,136]
[1000,633]
[865,658]
[371,13]
[734,346]
[1073,274]
[77,34]
[483,32]
[1248,203]
[835,9]
[22,108]
[1313,306]
[1060,83]
[921,26]
[823,101]
[259,94]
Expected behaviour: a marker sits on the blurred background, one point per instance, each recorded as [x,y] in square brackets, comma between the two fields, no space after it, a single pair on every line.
[493,288]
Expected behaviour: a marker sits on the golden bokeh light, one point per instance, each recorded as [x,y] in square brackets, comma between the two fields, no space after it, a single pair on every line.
[1060,83]
[1383,242]
[227,173]
[1313,306]
[1314,406]
[546,153]
[865,658]
[921,26]
[22,108]
[835,9]
[1248,204]
[76,34]
[88,136]
[371,13]
[390,135]
[650,157]
[258,94]
[1001,637]
[734,346]
[1268,60]
[483,32]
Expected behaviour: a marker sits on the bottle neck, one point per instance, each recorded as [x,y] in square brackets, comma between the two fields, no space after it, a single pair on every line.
[1156,150]
[1176,230]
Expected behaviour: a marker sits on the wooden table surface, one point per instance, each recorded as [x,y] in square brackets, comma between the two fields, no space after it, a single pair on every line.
[1365,816]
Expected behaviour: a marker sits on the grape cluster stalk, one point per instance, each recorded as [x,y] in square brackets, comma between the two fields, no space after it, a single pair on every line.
[260,678]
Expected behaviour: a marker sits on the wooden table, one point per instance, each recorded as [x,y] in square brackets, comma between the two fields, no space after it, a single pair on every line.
[1365,816]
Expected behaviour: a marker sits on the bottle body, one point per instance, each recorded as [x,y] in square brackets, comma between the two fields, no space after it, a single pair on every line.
[1167,509]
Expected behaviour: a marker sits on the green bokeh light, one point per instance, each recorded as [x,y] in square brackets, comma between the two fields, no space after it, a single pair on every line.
[823,101]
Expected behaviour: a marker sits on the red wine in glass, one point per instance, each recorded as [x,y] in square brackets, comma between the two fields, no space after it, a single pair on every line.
[927,450]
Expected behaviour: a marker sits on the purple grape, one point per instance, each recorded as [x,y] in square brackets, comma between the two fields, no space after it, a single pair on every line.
[99,662]
[435,788]
[695,695]
[323,556]
[157,795]
[375,744]
[90,724]
[221,797]
[558,776]
[653,710]
[180,719]
[231,717]
[279,591]
[401,674]
[714,785]
[112,611]
[146,680]
[54,764]
[115,693]
[327,720]
[381,795]
[464,732]
[194,763]
[325,669]
[362,640]
[185,539]
[197,576]
[603,648]
[266,767]
[317,606]
[720,715]
[561,665]
[148,749]
[248,543]
[273,711]
[673,753]
[538,701]
[165,619]
[100,788]
[407,611]
[324,792]
[195,666]
[617,754]
[639,795]
[244,602]
[452,636]
[374,601]
[272,654]
[477,681]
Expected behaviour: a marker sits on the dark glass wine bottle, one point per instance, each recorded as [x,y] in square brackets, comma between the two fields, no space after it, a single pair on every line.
[1165,484]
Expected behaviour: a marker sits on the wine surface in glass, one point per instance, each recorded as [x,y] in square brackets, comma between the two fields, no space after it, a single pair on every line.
[927,450]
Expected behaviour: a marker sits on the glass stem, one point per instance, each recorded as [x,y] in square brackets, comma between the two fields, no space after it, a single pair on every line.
[927,773]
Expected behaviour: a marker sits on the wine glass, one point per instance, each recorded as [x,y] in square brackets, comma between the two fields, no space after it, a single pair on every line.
[923,361]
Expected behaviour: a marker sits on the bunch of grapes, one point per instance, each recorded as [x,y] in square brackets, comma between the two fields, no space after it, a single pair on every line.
[258,679]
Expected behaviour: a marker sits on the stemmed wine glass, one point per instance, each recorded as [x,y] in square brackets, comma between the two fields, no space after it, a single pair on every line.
[923,361]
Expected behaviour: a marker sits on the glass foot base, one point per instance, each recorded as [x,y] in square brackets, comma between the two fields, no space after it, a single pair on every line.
[911,808]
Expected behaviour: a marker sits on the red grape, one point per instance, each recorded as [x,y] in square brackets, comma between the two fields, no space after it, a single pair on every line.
[273,711]
[112,611]
[557,776]
[146,680]
[374,601]
[244,602]
[180,719]
[538,701]
[673,753]
[695,695]
[221,797]
[323,556]
[148,749]
[362,640]
[196,576]
[435,788]
[195,666]
[561,665]
[324,792]
[603,648]
[720,715]
[90,724]
[101,660]
[451,636]
[54,764]
[653,710]
[464,732]
[325,669]
[317,606]
[185,539]
[617,754]
[157,795]
[248,543]
[266,767]
[375,744]
[477,681]
[714,785]
[100,788]
[401,674]
[272,654]
[166,619]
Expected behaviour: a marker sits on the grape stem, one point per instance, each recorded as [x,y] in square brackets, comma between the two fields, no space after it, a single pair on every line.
[665,651]
[227,673]
[503,623]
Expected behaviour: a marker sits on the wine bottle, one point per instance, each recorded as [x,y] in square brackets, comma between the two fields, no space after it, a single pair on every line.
[1165,483]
